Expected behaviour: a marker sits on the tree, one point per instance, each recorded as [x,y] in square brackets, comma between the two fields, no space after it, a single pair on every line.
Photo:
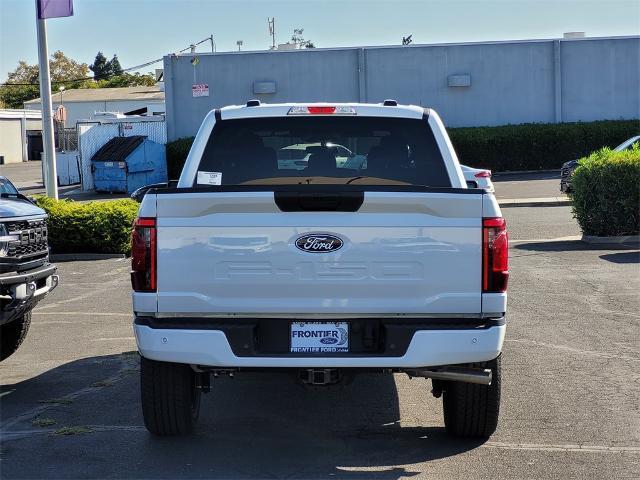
[100,67]
[114,66]
[298,39]
[64,71]
[128,80]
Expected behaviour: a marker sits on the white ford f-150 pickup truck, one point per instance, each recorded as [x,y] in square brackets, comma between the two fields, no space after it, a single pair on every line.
[389,264]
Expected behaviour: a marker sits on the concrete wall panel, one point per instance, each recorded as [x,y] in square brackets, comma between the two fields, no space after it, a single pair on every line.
[510,82]
[600,79]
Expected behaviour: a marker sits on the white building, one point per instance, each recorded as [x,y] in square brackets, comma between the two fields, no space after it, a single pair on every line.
[20,135]
[85,103]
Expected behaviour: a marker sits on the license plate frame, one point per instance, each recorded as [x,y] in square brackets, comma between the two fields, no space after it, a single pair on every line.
[322,337]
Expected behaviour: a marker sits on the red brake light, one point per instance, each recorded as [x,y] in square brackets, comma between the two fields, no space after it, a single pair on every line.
[143,255]
[495,255]
[483,174]
[321,110]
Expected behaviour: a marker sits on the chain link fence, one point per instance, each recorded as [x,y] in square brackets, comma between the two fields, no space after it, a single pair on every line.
[93,135]
[67,139]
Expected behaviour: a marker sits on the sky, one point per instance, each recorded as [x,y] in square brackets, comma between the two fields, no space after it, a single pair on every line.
[142,30]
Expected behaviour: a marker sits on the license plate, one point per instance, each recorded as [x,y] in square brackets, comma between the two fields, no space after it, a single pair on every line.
[319,337]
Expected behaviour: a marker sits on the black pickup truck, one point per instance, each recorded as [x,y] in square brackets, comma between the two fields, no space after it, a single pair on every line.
[26,275]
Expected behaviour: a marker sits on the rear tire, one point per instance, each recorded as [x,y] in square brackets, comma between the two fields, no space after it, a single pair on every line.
[12,335]
[472,410]
[170,399]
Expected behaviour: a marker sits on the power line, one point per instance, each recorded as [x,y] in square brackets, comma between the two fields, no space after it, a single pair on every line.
[104,77]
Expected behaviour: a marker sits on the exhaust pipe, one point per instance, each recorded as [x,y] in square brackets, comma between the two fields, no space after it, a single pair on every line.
[455,374]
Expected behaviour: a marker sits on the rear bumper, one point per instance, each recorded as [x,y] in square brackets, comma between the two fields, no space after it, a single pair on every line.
[20,292]
[425,348]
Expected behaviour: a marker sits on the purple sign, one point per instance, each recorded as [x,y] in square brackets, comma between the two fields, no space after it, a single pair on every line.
[54,8]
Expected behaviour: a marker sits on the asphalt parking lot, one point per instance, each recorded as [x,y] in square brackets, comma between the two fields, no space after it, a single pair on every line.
[571,396]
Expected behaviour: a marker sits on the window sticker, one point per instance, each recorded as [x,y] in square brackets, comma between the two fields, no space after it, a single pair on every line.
[209,178]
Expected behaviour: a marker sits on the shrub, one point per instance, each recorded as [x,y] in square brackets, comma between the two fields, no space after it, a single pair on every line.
[530,146]
[177,152]
[606,193]
[92,227]
[537,146]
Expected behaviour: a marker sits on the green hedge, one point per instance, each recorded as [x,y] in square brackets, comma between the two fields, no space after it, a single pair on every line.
[92,227]
[531,146]
[606,193]
[537,146]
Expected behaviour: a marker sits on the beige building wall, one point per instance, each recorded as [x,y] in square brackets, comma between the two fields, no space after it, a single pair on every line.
[11,140]
[34,124]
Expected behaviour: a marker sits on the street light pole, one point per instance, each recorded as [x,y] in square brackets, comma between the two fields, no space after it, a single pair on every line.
[49,160]
[61,121]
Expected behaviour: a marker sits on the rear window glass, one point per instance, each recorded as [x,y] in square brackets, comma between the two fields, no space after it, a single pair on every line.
[324,150]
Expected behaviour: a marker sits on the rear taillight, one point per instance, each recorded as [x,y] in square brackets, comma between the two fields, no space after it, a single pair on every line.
[143,255]
[483,174]
[322,110]
[495,255]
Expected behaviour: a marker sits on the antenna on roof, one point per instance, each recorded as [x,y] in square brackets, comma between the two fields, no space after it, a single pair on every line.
[272,31]
[407,40]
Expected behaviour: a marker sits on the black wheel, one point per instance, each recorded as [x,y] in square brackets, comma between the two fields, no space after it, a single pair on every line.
[471,410]
[170,399]
[12,335]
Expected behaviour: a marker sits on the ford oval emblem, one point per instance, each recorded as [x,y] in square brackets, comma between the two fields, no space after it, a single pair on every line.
[319,243]
[328,340]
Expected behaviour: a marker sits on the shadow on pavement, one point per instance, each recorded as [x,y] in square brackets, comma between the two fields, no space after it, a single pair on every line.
[255,425]
[571,245]
[626,257]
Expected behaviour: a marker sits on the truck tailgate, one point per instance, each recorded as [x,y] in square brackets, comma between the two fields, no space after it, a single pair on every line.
[237,253]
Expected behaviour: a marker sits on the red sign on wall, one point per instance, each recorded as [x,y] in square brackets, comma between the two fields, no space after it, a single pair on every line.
[200,90]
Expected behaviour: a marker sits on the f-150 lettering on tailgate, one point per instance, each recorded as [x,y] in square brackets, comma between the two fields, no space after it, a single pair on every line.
[344,271]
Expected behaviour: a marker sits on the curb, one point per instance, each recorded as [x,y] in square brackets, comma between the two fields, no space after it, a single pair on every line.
[628,239]
[533,202]
[518,172]
[75,257]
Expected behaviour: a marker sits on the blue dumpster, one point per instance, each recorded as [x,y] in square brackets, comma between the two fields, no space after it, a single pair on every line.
[124,164]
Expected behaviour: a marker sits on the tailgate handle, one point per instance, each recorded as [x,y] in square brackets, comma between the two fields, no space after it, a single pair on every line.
[318,201]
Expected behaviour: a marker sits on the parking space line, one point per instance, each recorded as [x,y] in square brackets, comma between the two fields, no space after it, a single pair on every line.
[126,365]
[536,447]
[570,238]
[540,447]
[107,339]
[102,288]
[87,314]
[567,348]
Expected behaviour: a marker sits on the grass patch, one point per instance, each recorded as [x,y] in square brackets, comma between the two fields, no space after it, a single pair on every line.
[66,431]
[43,422]
[103,383]
[58,401]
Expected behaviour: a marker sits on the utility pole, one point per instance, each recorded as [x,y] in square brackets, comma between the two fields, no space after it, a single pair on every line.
[213,44]
[49,160]
[272,31]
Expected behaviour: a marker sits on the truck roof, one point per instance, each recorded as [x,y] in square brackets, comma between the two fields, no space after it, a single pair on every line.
[256,109]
